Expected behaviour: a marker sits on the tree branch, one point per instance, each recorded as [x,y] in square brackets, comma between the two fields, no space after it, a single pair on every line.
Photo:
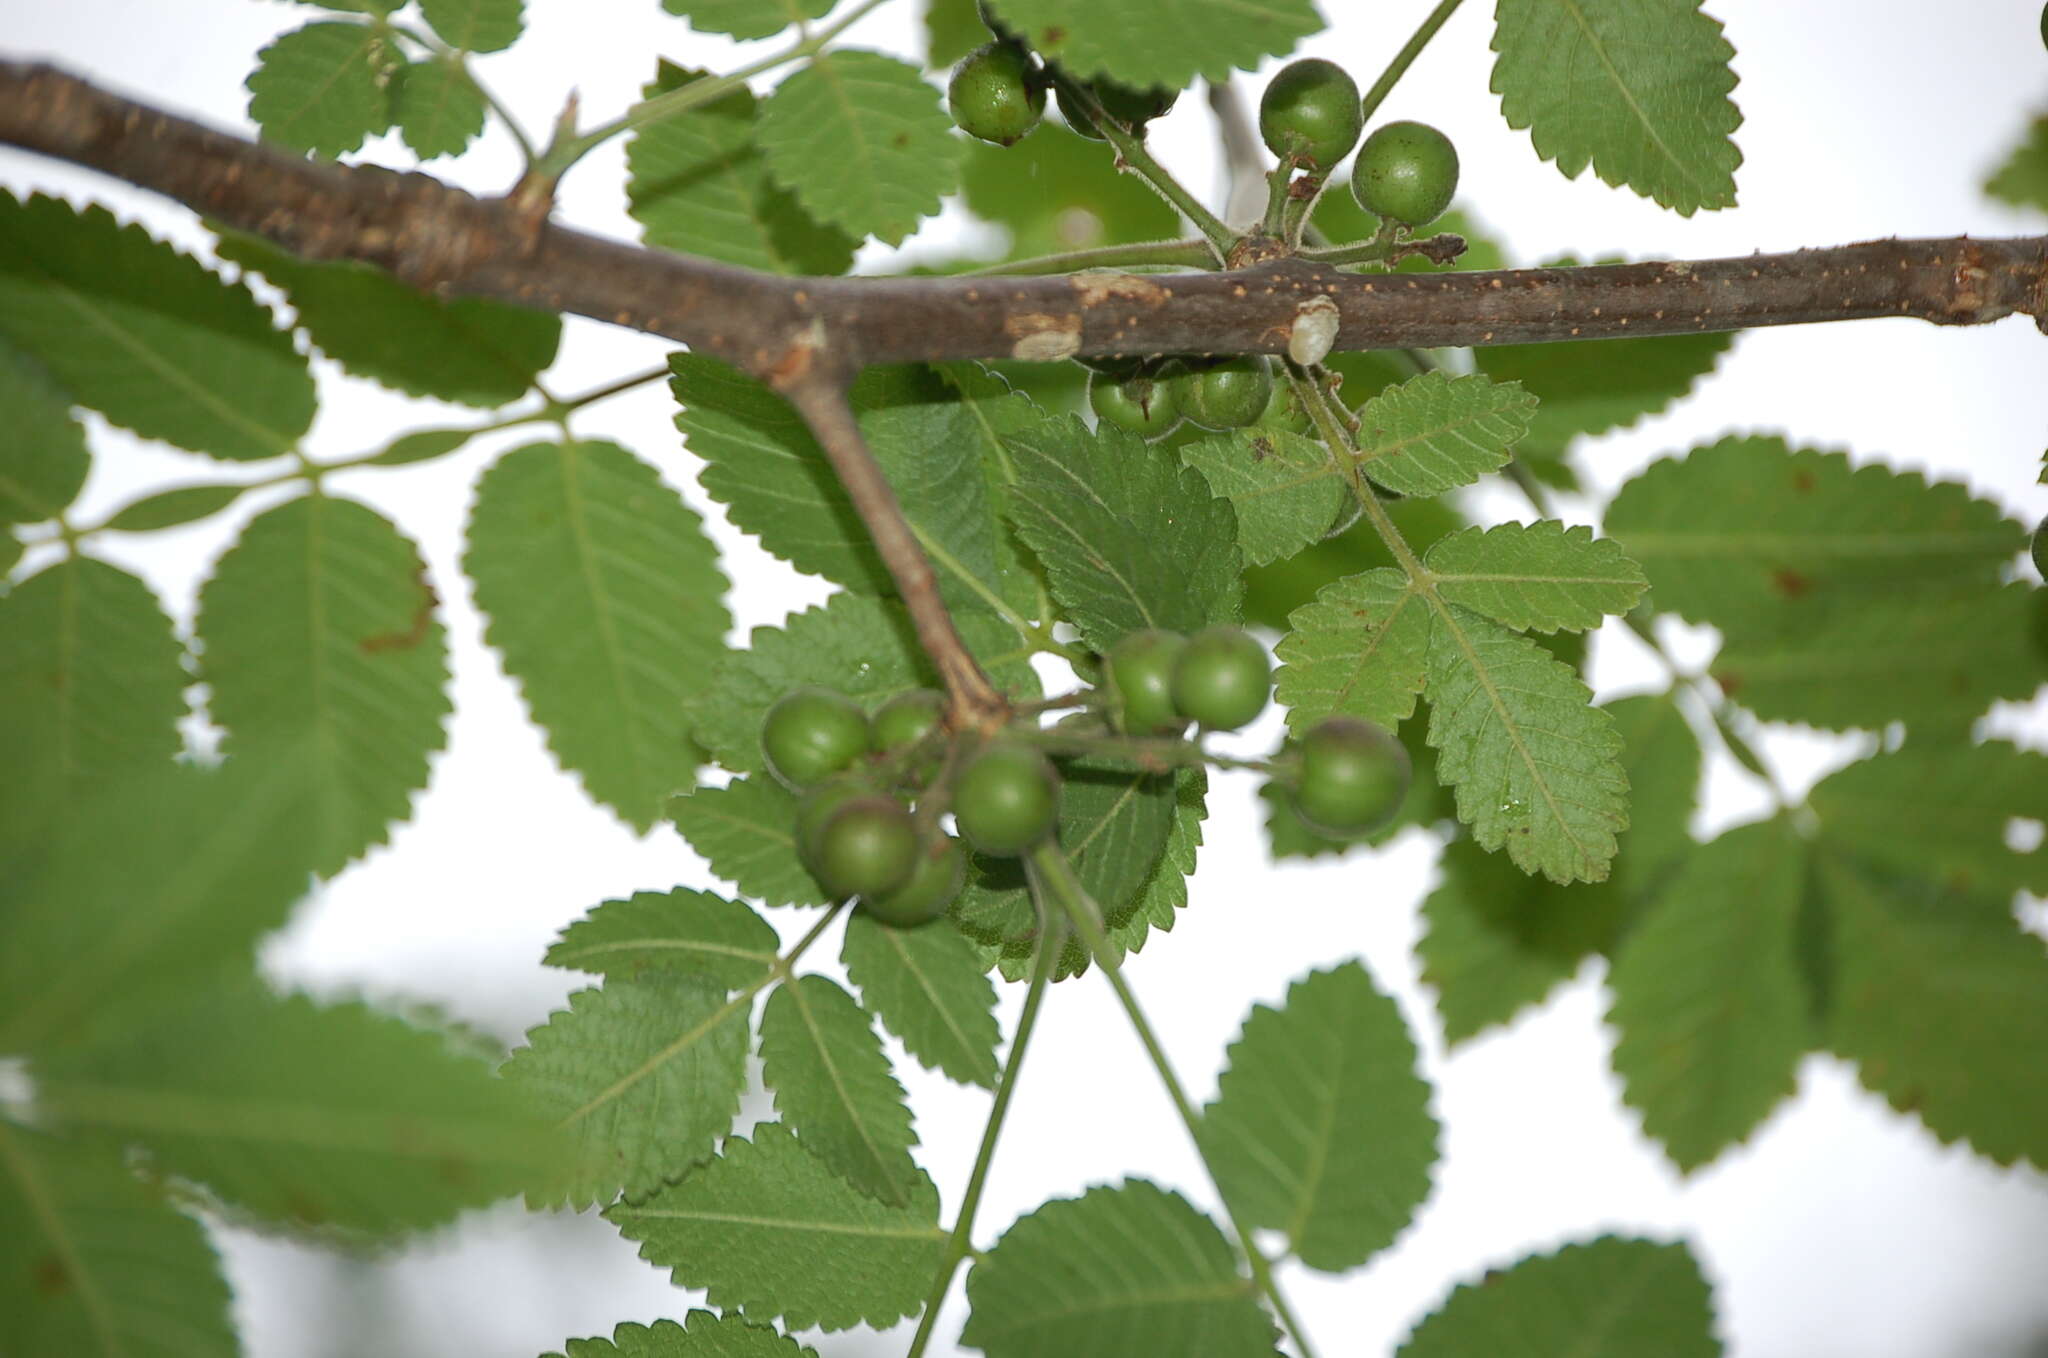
[444,240]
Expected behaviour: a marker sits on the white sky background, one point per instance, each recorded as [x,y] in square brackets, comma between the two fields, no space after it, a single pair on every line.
[1840,1229]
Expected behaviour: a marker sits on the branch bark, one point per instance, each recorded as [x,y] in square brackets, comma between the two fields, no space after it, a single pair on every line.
[444,240]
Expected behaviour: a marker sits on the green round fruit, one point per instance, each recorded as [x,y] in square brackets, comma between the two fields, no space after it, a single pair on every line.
[1138,672]
[1222,678]
[995,95]
[908,718]
[1147,406]
[866,846]
[1406,172]
[1353,777]
[813,733]
[935,879]
[817,805]
[1310,110]
[1283,413]
[2041,529]
[1131,107]
[1231,395]
[1006,799]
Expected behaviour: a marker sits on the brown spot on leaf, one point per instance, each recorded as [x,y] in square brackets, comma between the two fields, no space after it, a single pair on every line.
[1803,482]
[52,1278]
[1790,583]
[1730,682]
[416,630]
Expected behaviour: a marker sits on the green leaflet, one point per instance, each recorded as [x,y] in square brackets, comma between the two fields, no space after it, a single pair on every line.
[1712,1007]
[696,182]
[952,30]
[466,349]
[643,1076]
[1282,486]
[148,336]
[743,830]
[322,88]
[95,1263]
[680,930]
[1608,1298]
[1594,386]
[1942,1001]
[1941,811]
[1165,892]
[1436,432]
[1321,1128]
[174,507]
[320,641]
[92,684]
[1360,649]
[1167,43]
[927,986]
[746,18]
[833,1086]
[1272,592]
[1535,767]
[2022,180]
[476,25]
[1541,577]
[1129,538]
[43,460]
[1119,1270]
[438,108]
[1638,89]
[210,861]
[763,464]
[701,1335]
[857,645]
[606,601]
[303,1115]
[861,141]
[1055,191]
[771,1231]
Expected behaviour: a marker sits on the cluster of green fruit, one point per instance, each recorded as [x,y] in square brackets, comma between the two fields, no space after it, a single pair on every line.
[867,819]
[998,95]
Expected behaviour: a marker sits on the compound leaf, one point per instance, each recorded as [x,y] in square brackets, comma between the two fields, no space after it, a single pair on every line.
[1283,486]
[148,336]
[861,141]
[1541,577]
[1709,997]
[928,987]
[466,349]
[605,599]
[743,831]
[476,25]
[1119,1270]
[301,1114]
[1608,1298]
[323,88]
[1437,432]
[1128,537]
[439,109]
[1361,649]
[860,646]
[319,639]
[697,182]
[1534,764]
[1638,89]
[833,1086]
[771,1231]
[643,1076]
[1167,43]
[1321,1128]
[96,1264]
[670,931]
[746,18]
[701,1335]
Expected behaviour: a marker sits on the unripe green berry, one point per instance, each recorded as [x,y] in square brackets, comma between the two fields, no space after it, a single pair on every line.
[1230,395]
[1406,172]
[1132,107]
[812,733]
[1147,406]
[1222,678]
[1006,799]
[995,95]
[1139,674]
[816,806]
[908,718]
[935,880]
[1310,109]
[866,847]
[1352,779]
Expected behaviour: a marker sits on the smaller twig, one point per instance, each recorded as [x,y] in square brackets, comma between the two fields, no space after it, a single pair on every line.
[1134,156]
[1385,246]
[1160,755]
[1167,254]
[819,396]
[1405,58]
